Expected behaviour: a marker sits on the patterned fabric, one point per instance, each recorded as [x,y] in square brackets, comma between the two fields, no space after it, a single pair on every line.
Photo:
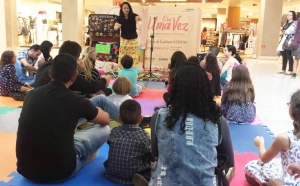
[236,113]
[129,47]
[276,169]
[129,153]
[8,80]
[140,88]
[24,55]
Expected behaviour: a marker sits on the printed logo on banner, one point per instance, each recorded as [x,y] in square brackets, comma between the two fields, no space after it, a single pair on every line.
[163,59]
[174,30]
[170,25]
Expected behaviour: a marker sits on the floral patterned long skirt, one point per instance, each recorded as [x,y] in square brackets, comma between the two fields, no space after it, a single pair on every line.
[129,47]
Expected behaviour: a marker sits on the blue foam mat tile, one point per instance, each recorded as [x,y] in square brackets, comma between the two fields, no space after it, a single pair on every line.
[243,136]
[91,174]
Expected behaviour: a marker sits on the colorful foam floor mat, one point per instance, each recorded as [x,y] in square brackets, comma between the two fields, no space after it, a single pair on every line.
[93,173]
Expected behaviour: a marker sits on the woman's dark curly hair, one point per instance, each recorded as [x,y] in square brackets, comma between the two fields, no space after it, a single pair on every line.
[191,93]
[211,64]
[295,112]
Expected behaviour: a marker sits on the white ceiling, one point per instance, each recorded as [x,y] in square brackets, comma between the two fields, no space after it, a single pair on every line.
[247,8]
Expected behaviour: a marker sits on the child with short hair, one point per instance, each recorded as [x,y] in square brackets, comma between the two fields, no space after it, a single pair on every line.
[132,74]
[121,87]
[237,102]
[129,147]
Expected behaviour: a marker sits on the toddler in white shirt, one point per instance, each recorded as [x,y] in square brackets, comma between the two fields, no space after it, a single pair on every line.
[121,87]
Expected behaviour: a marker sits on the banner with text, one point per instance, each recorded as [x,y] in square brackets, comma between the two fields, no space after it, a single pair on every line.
[174,30]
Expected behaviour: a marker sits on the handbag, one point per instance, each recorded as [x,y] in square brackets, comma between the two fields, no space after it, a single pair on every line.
[288,44]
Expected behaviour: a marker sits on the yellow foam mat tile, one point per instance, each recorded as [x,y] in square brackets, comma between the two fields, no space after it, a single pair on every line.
[10,102]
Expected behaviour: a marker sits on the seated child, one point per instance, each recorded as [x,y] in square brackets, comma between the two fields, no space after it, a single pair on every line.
[287,144]
[194,59]
[214,50]
[9,82]
[132,74]
[211,66]
[121,87]
[129,147]
[237,102]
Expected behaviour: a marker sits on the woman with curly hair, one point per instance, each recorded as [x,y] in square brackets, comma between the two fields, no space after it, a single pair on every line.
[184,135]
[287,144]
[211,66]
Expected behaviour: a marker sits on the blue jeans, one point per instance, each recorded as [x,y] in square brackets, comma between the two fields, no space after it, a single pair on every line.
[87,142]
[106,105]
[22,77]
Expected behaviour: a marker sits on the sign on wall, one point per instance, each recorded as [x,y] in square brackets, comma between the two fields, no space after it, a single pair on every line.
[174,30]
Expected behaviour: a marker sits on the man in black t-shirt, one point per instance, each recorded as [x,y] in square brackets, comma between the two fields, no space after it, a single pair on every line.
[47,148]
[80,84]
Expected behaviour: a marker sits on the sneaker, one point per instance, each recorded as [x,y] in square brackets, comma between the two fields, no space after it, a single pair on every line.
[288,73]
[139,180]
[294,75]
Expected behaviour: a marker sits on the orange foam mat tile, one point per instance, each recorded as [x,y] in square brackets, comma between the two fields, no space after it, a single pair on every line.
[10,102]
[8,158]
[152,94]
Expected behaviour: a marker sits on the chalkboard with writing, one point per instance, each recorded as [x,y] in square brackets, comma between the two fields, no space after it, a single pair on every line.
[102,25]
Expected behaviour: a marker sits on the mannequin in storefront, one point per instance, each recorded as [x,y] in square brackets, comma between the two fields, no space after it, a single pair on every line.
[32,25]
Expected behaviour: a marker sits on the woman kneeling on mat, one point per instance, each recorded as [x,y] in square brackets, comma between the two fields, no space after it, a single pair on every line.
[288,144]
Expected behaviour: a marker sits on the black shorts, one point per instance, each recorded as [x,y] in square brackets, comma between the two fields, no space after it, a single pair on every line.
[203,41]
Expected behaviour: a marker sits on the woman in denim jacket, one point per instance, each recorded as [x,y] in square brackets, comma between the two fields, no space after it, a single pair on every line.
[185,132]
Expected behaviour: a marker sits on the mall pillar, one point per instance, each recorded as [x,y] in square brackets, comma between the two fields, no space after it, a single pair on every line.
[3,30]
[73,20]
[234,11]
[8,15]
[268,29]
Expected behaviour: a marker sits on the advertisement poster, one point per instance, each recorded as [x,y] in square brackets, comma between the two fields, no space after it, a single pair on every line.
[176,30]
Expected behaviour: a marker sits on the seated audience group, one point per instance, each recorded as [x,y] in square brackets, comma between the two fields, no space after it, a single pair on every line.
[52,148]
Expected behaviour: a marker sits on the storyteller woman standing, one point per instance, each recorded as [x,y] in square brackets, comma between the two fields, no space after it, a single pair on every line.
[129,42]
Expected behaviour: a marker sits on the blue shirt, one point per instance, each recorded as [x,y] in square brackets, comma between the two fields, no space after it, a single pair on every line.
[132,74]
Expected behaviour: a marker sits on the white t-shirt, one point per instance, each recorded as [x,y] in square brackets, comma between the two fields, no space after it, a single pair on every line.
[230,61]
[118,99]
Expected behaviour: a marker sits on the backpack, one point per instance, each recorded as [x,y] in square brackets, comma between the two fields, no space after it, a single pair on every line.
[222,161]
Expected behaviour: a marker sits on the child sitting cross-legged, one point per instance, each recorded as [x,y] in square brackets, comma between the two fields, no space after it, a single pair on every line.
[258,172]
[132,74]
[121,87]
[237,102]
[129,147]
